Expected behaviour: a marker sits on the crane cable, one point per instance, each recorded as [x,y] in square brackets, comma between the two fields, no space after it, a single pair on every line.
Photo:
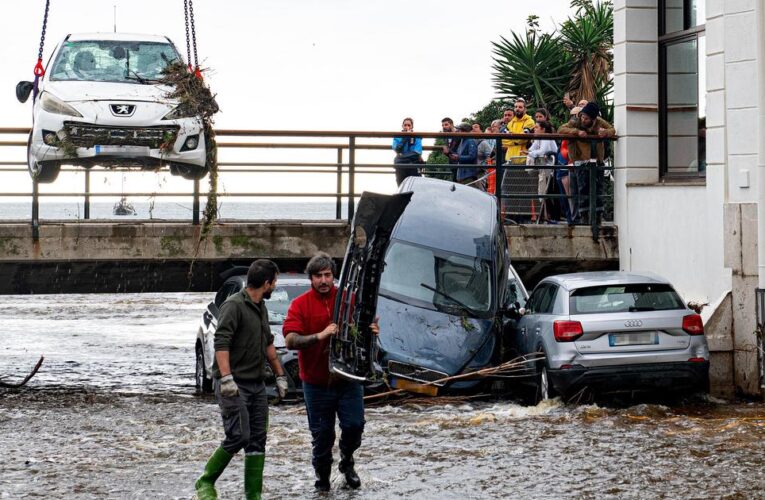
[39,70]
[191,37]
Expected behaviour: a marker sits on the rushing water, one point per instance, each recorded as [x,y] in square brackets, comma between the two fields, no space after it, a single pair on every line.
[112,414]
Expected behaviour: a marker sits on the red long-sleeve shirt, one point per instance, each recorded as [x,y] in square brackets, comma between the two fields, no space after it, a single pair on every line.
[311,313]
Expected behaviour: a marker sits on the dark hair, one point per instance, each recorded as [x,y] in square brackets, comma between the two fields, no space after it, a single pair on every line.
[546,126]
[544,113]
[260,272]
[447,119]
[318,263]
[512,110]
[405,120]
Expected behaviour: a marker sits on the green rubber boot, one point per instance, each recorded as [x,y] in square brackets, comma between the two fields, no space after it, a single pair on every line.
[205,485]
[253,476]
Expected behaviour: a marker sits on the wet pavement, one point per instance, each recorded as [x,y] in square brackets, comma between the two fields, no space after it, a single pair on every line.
[112,414]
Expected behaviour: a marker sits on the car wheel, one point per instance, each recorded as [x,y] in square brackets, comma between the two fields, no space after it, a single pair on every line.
[203,384]
[545,390]
[190,172]
[43,172]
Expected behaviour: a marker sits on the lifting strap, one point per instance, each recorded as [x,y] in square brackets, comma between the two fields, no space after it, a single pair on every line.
[39,70]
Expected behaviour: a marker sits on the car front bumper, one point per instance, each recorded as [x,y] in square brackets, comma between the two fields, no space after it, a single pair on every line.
[676,377]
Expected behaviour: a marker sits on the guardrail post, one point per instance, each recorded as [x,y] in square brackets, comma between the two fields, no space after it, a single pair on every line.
[498,174]
[351,176]
[339,199]
[593,201]
[86,208]
[195,205]
[35,211]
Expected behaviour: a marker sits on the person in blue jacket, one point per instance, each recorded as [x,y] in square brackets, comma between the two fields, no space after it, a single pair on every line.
[466,154]
[408,152]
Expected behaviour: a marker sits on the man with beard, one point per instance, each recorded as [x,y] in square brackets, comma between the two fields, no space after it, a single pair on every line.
[308,329]
[452,144]
[243,343]
[520,123]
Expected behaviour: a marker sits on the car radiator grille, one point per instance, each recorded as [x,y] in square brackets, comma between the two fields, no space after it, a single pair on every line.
[415,373]
[87,135]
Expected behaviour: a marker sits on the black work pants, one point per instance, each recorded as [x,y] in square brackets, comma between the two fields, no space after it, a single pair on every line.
[245,418]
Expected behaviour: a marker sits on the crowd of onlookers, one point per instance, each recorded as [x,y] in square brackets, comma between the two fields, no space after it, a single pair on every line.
[564,166]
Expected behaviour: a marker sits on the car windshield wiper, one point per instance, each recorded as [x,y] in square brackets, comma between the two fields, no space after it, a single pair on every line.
[446,295]
[633,309]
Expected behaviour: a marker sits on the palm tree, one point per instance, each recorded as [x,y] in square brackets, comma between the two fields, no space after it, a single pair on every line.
[534,66]
[588,38]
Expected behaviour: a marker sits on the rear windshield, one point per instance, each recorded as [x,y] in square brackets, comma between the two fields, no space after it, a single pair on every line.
[624,298]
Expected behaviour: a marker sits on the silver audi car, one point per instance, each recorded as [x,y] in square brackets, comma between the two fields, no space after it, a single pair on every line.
[612,332]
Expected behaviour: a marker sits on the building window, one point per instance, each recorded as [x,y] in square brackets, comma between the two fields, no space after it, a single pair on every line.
[682,88]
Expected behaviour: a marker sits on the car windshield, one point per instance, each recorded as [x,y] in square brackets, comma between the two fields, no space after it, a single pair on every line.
[624,298]
[280,301]
[436,279]
[112,61]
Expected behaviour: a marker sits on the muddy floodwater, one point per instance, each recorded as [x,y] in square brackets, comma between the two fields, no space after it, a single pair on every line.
[112,414]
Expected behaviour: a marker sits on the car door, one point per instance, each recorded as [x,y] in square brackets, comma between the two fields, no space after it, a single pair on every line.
[542,334]
[527,323]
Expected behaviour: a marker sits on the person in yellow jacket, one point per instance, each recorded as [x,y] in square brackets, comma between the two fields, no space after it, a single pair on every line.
[520,123]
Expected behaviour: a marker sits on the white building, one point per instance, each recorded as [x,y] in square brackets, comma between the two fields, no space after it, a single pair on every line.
[690,163]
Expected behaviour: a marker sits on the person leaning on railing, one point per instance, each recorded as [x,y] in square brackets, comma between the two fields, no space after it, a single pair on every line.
[408,152]
[542,152]
[588,123]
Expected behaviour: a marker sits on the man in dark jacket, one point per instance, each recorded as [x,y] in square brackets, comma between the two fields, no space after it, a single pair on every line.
[308,329]
[466,154]
[243,343]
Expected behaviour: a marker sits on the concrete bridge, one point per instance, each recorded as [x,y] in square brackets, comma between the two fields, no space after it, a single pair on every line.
[154,256]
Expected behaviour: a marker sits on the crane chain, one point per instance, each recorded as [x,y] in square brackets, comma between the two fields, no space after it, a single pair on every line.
[188,39]
[44,28]
[193,33]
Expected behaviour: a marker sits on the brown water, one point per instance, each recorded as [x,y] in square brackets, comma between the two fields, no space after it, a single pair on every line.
[112,415]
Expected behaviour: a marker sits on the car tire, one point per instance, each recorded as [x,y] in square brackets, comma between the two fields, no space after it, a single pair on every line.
[43,172]
[189,172]
[544,389]
[204,385]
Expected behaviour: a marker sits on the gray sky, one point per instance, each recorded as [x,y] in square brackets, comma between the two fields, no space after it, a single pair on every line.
[301,64]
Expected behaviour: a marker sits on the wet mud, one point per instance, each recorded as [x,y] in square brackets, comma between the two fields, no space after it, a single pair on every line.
[112,414]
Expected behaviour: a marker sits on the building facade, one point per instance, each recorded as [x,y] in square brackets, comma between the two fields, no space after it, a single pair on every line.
[690,164]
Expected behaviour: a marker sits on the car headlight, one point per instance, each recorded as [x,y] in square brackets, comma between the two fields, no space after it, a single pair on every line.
[53,104]
[180,111]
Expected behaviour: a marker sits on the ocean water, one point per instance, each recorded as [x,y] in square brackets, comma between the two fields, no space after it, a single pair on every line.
[175,210]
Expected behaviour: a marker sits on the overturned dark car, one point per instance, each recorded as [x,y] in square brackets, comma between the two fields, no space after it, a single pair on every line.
[448,292]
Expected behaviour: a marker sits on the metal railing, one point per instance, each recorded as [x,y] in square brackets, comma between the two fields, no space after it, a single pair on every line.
[345,172]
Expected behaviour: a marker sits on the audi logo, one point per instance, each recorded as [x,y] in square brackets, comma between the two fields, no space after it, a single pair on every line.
[633,323]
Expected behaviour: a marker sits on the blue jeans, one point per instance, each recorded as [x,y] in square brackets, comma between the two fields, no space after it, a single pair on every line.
[344,399]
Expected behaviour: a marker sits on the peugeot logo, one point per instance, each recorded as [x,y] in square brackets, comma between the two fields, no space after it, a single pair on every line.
[633,322]
[122,109]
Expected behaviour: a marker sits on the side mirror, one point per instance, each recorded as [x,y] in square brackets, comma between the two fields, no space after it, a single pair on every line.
[23,89]
[515,311]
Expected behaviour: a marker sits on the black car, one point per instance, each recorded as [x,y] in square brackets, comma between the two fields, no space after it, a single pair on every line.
[288,287]
[447,288]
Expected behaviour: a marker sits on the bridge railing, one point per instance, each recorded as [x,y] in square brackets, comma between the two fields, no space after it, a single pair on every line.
[346,169]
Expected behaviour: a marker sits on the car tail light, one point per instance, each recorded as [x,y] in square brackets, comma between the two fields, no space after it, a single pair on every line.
[567,331]
[692,324]
[696,360]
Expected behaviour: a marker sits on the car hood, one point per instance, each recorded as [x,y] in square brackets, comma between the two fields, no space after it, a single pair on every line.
[107,91]
[276,331]
[432,339]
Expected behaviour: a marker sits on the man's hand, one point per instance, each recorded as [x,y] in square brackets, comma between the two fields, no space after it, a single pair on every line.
[602,132]
[282,386]
[327,332]
[582,133]
[375,327]
[228,388]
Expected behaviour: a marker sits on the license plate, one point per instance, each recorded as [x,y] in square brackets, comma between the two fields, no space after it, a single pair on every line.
[409,386]
[634,338]
[106,150]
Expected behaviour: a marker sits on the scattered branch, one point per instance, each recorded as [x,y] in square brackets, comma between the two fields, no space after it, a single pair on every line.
[9,385]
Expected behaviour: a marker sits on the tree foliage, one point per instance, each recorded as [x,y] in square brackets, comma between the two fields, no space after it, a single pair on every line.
[577,57]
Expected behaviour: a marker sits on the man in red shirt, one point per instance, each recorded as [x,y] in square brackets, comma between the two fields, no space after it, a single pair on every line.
[307,329]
